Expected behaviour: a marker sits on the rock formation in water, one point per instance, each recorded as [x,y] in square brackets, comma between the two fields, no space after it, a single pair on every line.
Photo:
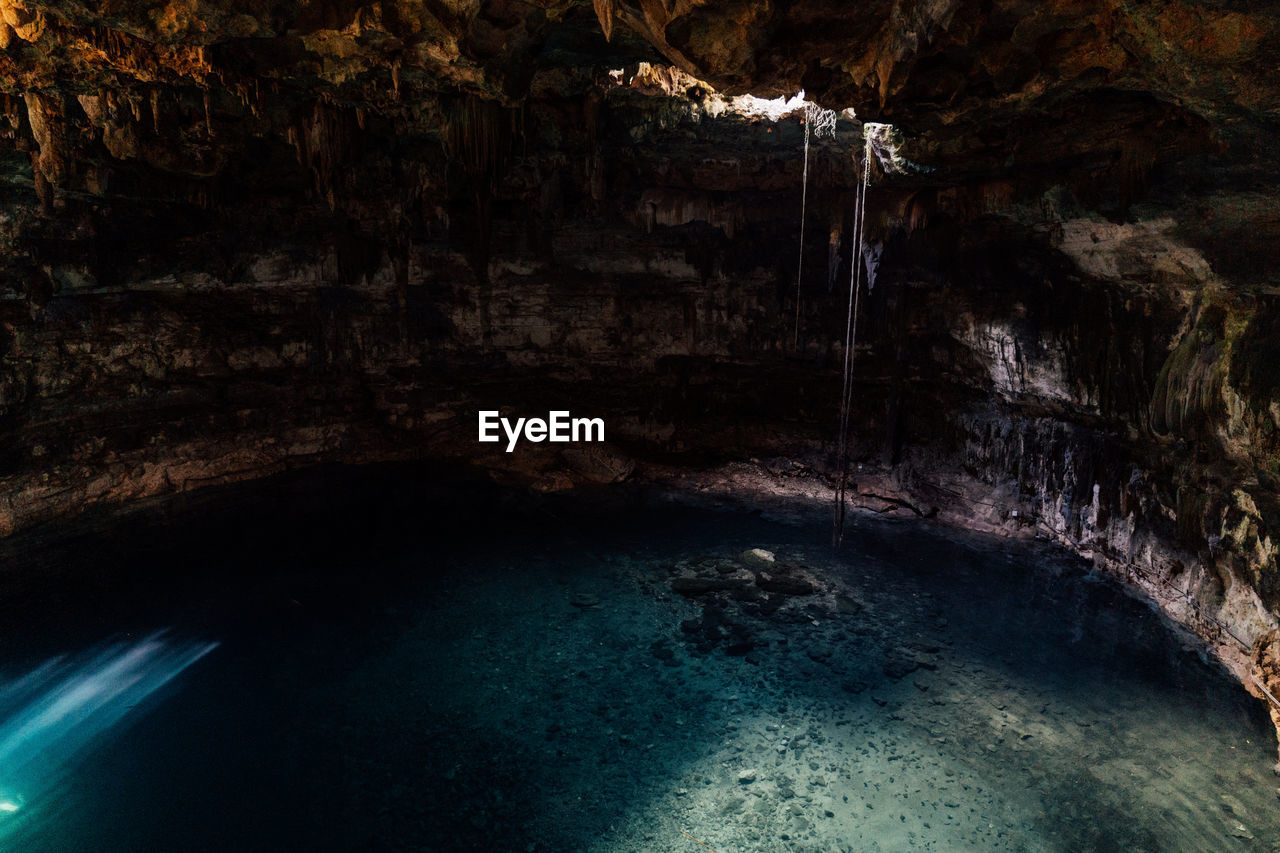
[244,236]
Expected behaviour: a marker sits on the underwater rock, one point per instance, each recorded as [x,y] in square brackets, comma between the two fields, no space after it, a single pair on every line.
[758,560]
[820,654]
[785,584]
[899,667]
[848,605]
[662,651]
[749,594]
[698,585]
[772,603]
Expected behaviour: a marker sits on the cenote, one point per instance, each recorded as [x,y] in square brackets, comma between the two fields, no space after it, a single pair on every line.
[399,658]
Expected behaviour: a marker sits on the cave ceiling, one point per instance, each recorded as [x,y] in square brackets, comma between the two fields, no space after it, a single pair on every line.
[143,111]
[976,83]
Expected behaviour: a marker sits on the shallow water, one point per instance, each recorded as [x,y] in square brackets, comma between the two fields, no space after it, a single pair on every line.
[410,664]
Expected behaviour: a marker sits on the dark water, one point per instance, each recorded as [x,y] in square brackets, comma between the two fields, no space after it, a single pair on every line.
[403,659]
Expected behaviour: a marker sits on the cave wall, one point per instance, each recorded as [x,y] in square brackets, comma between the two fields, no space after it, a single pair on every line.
[238,240]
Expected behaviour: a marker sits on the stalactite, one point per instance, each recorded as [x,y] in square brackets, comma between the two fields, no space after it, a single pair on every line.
[997,196]
[871,260]
[402,254]
[44,190]
[480,135]
[604,11]
[833,249]
[1132,173]
[12,115]
[920,207]
[47,116]
[200,196]
[324,143]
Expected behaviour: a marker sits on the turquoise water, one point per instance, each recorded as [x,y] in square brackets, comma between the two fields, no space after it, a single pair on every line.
[386,660]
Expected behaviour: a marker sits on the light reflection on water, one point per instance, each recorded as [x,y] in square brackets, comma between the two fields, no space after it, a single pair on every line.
[53,714]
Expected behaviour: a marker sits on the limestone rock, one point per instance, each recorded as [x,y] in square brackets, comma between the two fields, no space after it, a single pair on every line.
[757,559]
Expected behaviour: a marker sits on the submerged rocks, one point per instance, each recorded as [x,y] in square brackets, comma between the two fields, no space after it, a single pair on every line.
[786,584]
[820,653]
[663,652]
[758,559]
[743,599]
[899,667]
[753,574]
[903,660]
[847,604]
[740,645]
[692,585]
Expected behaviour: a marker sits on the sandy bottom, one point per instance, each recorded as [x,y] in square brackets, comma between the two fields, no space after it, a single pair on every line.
[542,677]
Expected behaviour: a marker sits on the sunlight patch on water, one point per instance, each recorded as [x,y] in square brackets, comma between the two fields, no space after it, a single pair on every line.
[53,714]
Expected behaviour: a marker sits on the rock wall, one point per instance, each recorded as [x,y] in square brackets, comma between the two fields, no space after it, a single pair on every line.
[239,240]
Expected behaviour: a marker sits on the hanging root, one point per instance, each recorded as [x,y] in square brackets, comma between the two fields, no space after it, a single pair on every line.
[850,344]
[822,121]
[817,122]
[804,199]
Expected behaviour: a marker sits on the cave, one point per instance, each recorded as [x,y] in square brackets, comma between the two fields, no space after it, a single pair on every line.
[639,425]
